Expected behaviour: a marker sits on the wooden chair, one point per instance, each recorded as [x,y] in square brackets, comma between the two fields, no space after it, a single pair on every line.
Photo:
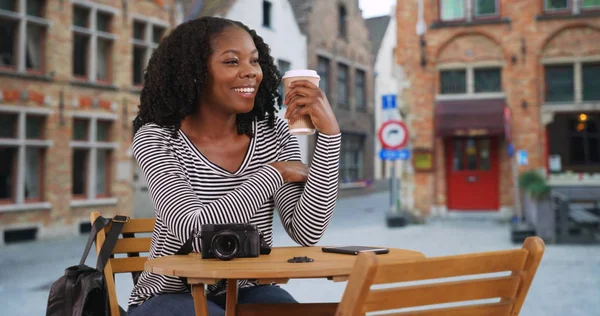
[511,289]
[130,245]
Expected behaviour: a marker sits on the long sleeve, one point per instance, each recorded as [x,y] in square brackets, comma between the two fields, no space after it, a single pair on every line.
[176,202]
[306,209]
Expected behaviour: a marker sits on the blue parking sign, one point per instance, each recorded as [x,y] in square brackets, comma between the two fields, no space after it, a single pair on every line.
[388,101]
[388,154]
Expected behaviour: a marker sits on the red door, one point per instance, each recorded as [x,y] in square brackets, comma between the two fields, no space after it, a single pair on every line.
[472,173]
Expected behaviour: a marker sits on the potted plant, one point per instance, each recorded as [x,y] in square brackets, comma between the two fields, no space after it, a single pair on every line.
[537,206]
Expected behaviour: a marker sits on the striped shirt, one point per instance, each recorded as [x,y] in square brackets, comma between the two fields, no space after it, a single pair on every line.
[188,190]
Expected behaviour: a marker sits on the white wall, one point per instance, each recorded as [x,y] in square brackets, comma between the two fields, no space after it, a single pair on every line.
[284,38]
[386,83]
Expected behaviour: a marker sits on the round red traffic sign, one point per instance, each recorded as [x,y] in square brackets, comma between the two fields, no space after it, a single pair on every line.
[393,134]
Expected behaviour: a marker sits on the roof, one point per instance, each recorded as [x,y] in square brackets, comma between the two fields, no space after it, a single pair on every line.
[302,9]
[377,27]
[196,8]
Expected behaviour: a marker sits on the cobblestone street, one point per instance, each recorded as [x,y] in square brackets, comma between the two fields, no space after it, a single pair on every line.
[567,283]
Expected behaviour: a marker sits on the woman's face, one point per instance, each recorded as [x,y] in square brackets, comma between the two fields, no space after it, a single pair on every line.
[234,72]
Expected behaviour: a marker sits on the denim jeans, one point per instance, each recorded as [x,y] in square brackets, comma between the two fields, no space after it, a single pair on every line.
[182,304]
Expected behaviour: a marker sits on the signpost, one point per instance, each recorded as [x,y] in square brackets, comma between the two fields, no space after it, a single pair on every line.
[393,136]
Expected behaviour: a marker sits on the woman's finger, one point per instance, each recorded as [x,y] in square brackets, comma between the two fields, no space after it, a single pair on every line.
[300,91]
[303,83]
[297,103]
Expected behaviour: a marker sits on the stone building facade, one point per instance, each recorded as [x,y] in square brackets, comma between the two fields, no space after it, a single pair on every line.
[70,77]
[491,78]
[340,50]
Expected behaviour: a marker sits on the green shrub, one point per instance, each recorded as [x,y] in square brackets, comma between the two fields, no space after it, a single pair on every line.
[533,183]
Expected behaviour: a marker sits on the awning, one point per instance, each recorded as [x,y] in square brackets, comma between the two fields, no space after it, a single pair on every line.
[470,117]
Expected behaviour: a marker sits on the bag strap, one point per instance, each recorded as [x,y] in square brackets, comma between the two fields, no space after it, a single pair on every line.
[98,224]
[111,239]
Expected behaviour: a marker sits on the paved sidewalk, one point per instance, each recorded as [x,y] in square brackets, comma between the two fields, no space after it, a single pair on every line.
[567,283]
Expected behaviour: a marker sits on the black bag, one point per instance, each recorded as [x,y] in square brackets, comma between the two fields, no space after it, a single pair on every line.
[82,290]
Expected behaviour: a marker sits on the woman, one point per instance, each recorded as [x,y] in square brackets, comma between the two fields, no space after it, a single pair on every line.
[213,151]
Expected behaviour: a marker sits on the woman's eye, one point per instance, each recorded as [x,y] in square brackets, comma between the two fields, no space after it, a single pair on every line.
[255,61]
[231,62]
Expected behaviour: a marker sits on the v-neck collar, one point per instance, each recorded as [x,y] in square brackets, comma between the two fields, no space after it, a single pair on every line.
[217,168]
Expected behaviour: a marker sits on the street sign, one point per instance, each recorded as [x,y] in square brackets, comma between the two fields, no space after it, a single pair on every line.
[388,101]
[522,158]
[393,134]
[389,154]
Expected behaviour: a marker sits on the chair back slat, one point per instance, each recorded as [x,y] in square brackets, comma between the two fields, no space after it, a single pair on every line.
[133,264]
[129,245]
[501,276]
[452,266]
[500,309]
[440,293]
[139,225]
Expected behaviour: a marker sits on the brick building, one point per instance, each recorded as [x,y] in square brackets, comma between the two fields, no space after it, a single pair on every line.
[484,74]
[340,50]
[70,77]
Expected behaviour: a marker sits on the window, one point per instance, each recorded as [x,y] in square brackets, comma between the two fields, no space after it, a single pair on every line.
[485,8]
[93,147]
[146,37]
[561,83]
[458,10]
[267,6]
[342,15]
[22,158]
[342,86]
[92,43]
[570,6]
[577,141]
[590,4]
[22,35]
[557,5]
[360,91]
[323,71]
[352,155]
[453,81]
[473,80]
[488,80]
[471,154]
[591,81]
[282,66]
[585,139]
[452,10]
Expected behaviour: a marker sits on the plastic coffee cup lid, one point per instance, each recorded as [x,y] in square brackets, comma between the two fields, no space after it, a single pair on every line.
[301,73]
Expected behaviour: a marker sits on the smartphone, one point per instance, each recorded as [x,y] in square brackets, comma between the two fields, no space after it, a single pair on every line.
[354,250]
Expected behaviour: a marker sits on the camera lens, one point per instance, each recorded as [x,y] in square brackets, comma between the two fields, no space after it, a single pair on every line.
[225,245]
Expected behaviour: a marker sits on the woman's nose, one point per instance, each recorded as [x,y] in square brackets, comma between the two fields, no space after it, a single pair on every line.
[249,71]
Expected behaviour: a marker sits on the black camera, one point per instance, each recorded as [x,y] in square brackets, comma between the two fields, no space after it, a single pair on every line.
[228,241]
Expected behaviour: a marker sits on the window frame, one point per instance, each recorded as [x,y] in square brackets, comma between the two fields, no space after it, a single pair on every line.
[358,166]
[147,44]
[347,84]
[20,51]
[94,36]
[90,196]
[342,21]
[578,78]
[19,202]
[266,4]
[360,107]
[470,70]
[470,12]
[325,79]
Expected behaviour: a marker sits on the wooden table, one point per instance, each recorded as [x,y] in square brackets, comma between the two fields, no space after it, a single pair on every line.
[266,269]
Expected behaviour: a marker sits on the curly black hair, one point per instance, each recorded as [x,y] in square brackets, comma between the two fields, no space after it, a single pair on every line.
[178,70]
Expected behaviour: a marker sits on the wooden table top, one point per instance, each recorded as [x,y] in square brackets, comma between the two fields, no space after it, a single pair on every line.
[272,266]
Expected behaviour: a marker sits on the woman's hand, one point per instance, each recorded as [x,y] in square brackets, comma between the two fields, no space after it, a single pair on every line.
[305,98]
[291,171]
